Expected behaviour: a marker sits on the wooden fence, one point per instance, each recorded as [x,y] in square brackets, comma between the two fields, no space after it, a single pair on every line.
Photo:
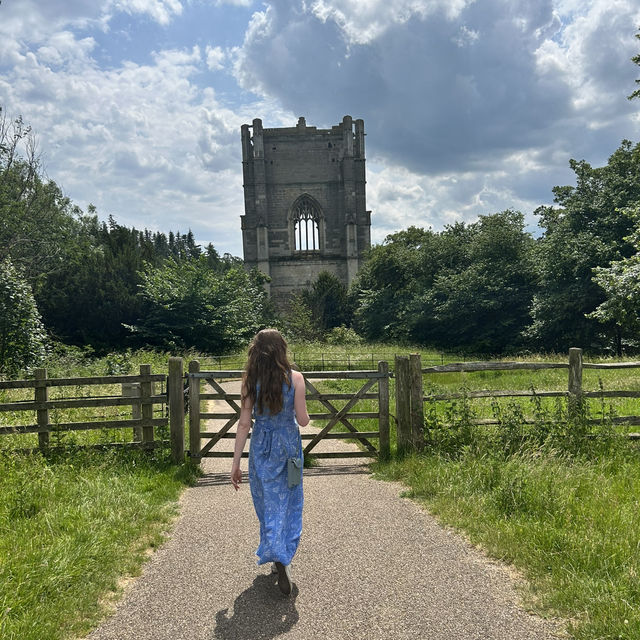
[223,419]
[137,394]
[410,397]
[139,397]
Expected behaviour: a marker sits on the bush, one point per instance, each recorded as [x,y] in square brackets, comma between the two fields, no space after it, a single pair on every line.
[190,306]
[327,300]
[297,322]
[22,334]
[343,336]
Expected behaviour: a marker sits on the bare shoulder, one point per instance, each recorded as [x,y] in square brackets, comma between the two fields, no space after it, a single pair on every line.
[297,378]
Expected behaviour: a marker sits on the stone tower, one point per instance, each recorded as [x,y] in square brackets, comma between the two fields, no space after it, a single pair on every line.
[304,202]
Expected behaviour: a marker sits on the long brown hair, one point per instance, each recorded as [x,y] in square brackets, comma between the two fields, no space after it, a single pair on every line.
[267,364]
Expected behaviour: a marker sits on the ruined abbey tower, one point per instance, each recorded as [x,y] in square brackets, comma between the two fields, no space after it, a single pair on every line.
[304,202]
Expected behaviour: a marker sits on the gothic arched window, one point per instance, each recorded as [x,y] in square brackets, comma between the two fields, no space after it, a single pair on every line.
[306,225]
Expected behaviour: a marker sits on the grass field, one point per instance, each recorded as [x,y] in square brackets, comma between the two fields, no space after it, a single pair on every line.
[319,356]
[547,379]
[570,524]
[70,527]
[561,507]
[72,524]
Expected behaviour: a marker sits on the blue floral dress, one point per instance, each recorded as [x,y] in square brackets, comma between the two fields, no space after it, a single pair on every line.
[275,439]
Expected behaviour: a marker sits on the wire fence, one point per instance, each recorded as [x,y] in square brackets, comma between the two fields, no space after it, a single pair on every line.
[326,361]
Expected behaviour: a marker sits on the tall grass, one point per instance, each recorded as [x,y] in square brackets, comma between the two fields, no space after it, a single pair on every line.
[73,522]
[558,499]
[70,526]
[546,379]
[569,523]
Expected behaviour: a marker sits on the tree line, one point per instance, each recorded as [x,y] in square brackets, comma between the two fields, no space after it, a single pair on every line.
[67,277]
[492,287]
[489,286]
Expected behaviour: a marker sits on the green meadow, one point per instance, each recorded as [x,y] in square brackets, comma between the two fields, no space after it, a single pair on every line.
[557,501]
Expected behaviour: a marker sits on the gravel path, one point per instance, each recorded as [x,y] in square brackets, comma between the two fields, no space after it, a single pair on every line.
[371,565]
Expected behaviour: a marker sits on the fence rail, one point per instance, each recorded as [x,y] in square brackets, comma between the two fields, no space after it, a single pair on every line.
[137,393]
[141,401]
[79,382]
[410,396]
[330,361]
[460,367]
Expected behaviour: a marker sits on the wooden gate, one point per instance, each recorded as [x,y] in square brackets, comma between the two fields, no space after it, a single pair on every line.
[202,443]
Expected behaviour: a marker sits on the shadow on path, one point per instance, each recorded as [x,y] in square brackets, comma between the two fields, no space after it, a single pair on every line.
[260,612]
[217,479]
[337,470]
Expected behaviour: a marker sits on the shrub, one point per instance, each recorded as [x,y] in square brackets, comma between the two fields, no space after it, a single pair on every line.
[22,334]
[343,336]
[188,305]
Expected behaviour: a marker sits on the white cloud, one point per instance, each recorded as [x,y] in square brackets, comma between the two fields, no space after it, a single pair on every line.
[498,95]
[400,198]
[592,53]
[162,11]
[365,20]
[466,36]
[235,3]
[63,49]
[215,58]
[143,142]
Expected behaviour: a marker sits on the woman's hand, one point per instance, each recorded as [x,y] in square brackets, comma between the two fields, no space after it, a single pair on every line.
[236,476]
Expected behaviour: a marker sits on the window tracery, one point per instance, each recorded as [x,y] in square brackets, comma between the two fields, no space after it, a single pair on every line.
[306,225]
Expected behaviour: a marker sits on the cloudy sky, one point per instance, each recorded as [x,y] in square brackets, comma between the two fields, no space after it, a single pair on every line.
[470,107]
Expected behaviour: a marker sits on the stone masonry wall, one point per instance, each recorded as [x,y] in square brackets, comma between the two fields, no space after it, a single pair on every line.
[281,165]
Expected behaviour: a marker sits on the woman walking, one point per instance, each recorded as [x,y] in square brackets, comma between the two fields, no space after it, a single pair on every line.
[274,395]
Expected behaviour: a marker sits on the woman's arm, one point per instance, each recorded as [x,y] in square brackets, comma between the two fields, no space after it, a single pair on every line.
[299,400]
[244,426]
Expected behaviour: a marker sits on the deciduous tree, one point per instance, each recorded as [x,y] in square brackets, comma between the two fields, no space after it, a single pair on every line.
[188,305]
[587,229]
[36,219]
[636,60]
[620,282]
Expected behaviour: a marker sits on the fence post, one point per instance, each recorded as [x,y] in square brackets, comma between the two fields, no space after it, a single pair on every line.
[42,395]
[575,382]
[147,405]
[383,409]
[176,410]
[416,394]
[132,390]
[194,413]
[403,405]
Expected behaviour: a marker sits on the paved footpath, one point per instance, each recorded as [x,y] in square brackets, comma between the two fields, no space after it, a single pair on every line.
[371,565]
